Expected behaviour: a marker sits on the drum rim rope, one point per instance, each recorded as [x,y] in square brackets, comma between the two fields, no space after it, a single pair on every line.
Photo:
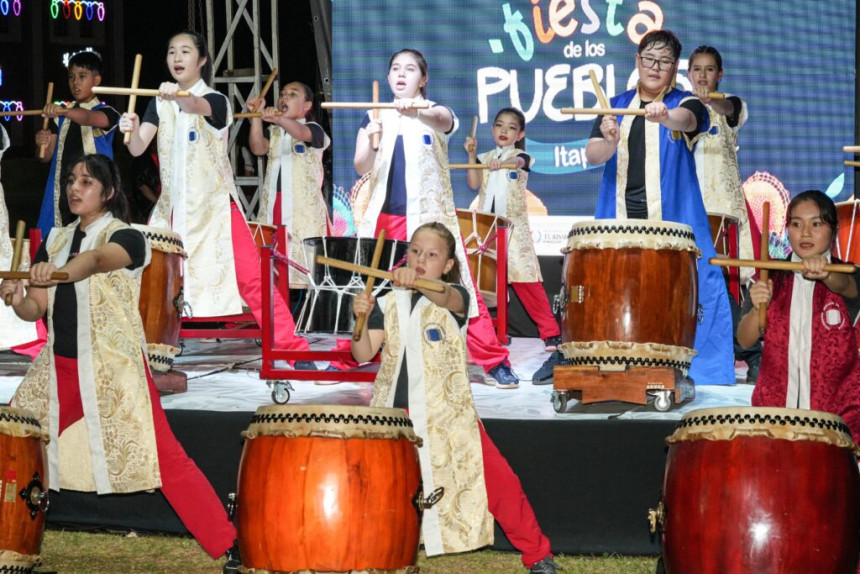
[21,423]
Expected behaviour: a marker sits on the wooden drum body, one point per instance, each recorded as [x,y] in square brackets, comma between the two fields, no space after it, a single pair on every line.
[848,238]
[478,229]
[161,300]
[23,500]
[630,294]
[750,490]
[328,489]
[262,233]
[327,308]
[725,234]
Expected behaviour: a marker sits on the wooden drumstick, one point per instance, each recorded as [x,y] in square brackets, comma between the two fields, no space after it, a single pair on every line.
[776,265]
[374,141]
[764,256]
[480,166]
[20,275]
[16,253]
[265,90]
[716,96]
[132,99]
[415,105]
[601,97]
[603,111]
[428,284]
[849,163]
[473,132]
[45,122]
[361,318]
[22,113]
[851,149]
[241,115]
[142,92]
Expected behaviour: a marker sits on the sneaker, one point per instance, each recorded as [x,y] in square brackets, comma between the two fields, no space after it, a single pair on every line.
[545,566]
[544,375]
[234,561]
[752,369]
[550,344]
[305,366]
[504,376]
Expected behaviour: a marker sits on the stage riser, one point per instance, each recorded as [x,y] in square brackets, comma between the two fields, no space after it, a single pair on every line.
[591,482]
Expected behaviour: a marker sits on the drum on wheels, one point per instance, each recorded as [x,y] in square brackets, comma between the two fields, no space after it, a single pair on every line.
[23,498]
[161,301]
[479,230]
[327,488]
[760,490]
[630,294]
[327,308]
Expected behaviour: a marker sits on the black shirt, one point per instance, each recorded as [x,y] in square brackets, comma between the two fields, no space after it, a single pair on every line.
[376,320]
[635,196]
[217,101]
[65,315]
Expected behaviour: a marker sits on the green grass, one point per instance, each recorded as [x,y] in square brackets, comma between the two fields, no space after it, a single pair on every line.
[72,552]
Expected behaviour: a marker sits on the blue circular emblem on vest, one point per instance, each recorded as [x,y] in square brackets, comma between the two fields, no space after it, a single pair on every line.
[512,174]
[299,147]
[433,333]
[192,136]
[427,138]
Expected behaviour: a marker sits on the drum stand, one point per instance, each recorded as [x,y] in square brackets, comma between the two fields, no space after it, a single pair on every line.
[274,376]
[666,385]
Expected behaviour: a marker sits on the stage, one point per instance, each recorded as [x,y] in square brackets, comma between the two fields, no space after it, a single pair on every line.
[591,473]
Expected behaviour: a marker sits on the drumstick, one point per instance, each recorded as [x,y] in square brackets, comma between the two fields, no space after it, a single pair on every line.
[48,99]
[776,265]
[370,105]
[117,91]
[22,113]
[601,97]
[16,254]
[265,90]
[374,140]
[848,163]
[764,256]
[132,99]
[55,276]
[435,286]
[361,318]
[252,115]
[716,96]
[480,166]
[604,111]
[473,132]
[851,149]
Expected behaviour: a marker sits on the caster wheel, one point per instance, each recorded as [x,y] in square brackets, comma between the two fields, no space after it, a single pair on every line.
[663,401]
[559,401]
[280,393]
[258,342]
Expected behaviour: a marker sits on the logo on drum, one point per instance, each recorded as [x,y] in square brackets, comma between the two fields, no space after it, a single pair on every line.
[832,317]
[433,333]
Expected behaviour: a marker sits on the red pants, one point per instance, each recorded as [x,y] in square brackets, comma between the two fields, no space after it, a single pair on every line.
[183,485]
[534,300]
[509,505]
[484,347]
[247,257]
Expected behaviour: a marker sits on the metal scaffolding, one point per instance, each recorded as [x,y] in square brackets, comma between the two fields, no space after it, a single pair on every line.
[224,33]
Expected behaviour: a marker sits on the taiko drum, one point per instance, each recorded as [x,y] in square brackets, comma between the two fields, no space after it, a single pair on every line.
[750,490]
[631,281]
[161,296]
[479,229]
[328,489]
[23,498]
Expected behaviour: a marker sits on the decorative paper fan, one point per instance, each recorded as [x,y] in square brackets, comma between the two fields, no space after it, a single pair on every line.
[759,188]
[341,213]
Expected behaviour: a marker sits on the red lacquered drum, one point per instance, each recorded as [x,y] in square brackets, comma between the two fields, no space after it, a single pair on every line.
[630,294]
[750,490]
[161,296]
[724,233]
[328,489]
[23,500]
[263,234]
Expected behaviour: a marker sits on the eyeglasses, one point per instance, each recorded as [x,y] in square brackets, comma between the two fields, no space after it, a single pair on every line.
[662,65]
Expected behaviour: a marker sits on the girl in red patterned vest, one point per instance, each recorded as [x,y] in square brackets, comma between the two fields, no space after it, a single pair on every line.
[810,358]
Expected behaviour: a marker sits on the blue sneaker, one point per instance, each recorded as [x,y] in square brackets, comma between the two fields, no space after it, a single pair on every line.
[544,375]
[305,366]
[545,566]
[504,376]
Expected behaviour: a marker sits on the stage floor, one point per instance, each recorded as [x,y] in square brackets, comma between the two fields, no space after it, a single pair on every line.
[224,376]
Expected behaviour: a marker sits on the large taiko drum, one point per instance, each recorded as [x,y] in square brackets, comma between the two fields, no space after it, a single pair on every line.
[848,239]
[327,307]
[161,298]
[327,488]
[630,294]
[760,490]
[479,231]
[23,498]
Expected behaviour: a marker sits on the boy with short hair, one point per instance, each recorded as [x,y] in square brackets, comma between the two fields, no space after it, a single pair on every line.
[86,127]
